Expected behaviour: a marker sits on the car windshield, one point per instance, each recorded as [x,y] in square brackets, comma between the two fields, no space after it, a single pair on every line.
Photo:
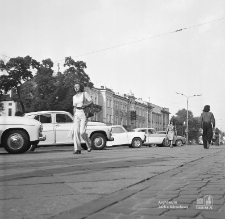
[116,130]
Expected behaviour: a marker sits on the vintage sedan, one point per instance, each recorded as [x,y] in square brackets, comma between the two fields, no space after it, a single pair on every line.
[122,137]
[57,125]
[178,140]
[17,134]
[159,138]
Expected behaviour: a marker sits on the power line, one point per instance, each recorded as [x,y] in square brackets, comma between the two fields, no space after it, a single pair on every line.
[159,35]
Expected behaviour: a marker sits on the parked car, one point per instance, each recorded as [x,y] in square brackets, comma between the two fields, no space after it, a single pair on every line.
[57,124]
[159,138]
[17,134]
[122,137]
[178,140]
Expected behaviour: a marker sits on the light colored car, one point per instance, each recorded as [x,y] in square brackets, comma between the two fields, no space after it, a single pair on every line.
[158,138]
[57,125]
[178,140]
[122,137]
[17,134]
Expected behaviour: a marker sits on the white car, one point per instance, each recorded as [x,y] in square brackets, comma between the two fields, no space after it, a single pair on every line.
[17,134]
[122,137]
[152,137]
[57,125]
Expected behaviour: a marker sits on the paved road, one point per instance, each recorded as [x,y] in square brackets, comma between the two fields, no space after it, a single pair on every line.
[114,183]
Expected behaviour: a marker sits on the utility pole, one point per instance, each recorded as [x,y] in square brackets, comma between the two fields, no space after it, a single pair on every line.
[187,112]
[58,67]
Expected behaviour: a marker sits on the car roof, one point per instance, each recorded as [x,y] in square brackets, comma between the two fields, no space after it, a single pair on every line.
[51,111]
[142,128]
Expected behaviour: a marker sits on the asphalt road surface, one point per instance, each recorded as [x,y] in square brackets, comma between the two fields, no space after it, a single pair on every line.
[53,180]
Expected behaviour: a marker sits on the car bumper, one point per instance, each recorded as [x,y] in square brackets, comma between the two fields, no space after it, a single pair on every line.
[42,138]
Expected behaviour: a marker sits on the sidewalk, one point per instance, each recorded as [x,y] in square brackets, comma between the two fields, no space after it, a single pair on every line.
[171,195]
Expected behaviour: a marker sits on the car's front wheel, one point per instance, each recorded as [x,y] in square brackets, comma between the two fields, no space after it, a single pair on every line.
[98,141]
[166,143]
[136,143]
[16,142]
[178,142]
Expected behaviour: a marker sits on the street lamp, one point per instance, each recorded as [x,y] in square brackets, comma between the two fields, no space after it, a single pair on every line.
[187,111]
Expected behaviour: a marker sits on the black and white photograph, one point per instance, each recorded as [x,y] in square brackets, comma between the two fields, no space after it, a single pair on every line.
[112,109]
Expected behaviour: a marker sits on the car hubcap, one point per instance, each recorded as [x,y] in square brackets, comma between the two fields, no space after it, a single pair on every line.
[179,143]
[137,143]
[15,141]
[98,142]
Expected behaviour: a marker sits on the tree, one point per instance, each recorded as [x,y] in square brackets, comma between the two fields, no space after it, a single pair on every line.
[18,71]
[193,123]
[47,91]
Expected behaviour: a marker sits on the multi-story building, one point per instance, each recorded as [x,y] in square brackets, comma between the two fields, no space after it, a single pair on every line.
[116,110]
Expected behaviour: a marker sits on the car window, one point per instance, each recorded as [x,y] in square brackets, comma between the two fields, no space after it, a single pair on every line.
[44,118]
[150,131]
[117,130]
[143,130]
[63,118]
[153,131]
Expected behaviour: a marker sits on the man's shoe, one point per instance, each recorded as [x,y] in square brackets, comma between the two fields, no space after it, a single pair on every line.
[77,152]
[207,146]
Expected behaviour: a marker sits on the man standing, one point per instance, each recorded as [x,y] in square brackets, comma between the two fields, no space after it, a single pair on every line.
[207,122]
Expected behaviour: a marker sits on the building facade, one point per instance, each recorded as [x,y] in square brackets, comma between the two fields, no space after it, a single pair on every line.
[117,108]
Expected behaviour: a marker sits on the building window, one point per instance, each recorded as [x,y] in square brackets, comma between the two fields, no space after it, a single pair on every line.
[10,112]
[10,104]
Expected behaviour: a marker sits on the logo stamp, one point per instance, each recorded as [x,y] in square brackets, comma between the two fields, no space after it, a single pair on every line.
[171,205]
[205,203]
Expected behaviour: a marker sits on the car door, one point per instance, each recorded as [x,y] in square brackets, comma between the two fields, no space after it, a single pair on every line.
[48,128]
[146,134]
[152,137]
[120,136]
[63,124]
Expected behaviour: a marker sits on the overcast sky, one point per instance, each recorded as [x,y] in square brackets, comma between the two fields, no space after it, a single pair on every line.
[129,45]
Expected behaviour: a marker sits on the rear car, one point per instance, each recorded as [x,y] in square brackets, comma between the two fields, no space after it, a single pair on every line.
[121,136]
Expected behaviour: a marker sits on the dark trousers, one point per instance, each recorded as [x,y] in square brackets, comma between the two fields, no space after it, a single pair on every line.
[207,133]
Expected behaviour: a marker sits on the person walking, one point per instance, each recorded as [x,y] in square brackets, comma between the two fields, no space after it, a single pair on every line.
[207,123]
[170,132]
[80,120]
[217,137]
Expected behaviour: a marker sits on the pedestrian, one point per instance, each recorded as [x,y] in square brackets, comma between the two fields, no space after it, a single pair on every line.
[217,137]
[170,132]
[207,123]
[80,100]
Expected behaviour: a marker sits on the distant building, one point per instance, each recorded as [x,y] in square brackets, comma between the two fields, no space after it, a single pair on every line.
[9,105]
[116,110]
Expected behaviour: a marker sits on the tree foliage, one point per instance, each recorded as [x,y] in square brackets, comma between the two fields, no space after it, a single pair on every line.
[180,119]
[47,91]
[18,71]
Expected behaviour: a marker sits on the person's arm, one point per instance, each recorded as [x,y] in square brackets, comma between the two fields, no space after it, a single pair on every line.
[213,121]
[74,107]
[201,122]
[89,100]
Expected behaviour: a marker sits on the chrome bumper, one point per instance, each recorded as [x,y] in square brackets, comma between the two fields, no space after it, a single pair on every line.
[42,138]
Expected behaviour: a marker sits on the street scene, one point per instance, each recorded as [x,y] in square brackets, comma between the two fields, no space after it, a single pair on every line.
[112,109]
[113,183]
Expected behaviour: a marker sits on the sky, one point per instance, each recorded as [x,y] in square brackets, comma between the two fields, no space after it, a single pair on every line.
[129,45]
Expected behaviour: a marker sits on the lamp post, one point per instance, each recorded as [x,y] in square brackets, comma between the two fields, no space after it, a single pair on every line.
[187,111]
